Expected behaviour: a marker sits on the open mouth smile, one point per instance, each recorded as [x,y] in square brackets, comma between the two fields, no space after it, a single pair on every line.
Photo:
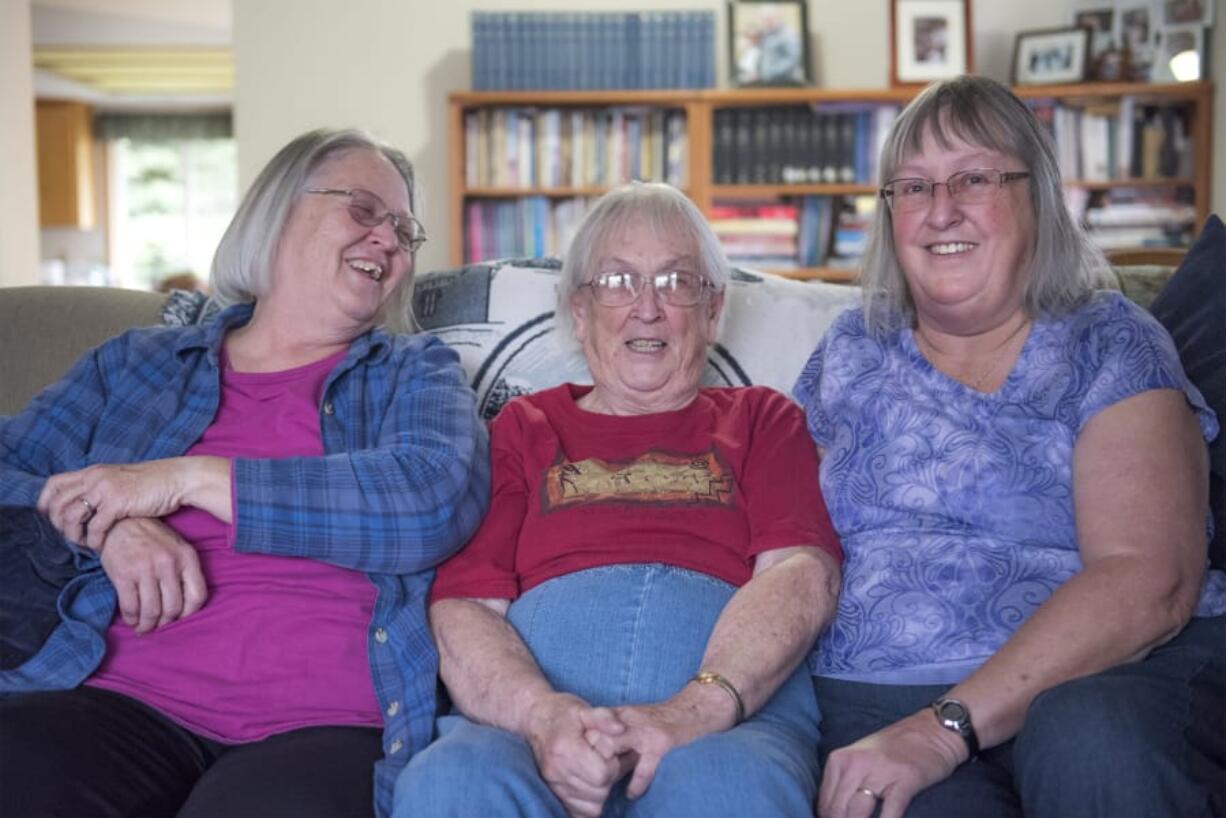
[368,268]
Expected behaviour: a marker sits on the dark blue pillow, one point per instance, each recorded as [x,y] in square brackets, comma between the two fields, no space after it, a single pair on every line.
[1192,307]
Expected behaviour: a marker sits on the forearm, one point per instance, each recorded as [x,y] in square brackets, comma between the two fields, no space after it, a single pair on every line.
[488,670]
[1112,612]
[770,624]
[207,485]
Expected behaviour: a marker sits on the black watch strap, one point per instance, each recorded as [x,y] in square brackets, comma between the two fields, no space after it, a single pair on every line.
[953,715]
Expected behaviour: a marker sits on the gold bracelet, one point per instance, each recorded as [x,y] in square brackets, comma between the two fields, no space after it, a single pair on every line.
[706,677]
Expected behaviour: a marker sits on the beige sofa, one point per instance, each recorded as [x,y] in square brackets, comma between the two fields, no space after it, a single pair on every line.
[43,330]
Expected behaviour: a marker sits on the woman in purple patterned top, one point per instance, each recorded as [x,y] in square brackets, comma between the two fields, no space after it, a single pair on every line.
[1016,465]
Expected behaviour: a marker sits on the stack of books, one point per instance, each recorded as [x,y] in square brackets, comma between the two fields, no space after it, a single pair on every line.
[805,232]
[592,51]
[1141,217]
[799,144]
[520,148]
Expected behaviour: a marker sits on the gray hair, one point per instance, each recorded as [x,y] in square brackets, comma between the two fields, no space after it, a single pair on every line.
[665,210]
[1065,265]
[242,264]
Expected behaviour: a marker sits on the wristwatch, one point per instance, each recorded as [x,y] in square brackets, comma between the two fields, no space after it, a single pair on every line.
[953,715]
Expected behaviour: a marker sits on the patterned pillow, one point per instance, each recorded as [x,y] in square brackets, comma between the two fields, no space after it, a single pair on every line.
[499,317]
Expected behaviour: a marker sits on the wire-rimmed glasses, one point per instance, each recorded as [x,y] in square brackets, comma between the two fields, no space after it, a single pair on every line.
[368,210]
[974,186]
[620,288]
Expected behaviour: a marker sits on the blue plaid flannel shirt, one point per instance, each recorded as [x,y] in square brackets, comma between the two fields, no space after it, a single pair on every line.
[403,482]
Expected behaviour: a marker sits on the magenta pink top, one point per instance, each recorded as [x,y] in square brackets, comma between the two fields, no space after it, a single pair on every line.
[281,642]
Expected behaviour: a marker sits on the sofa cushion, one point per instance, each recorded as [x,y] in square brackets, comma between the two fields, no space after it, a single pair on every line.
[499,317]
[1191,307]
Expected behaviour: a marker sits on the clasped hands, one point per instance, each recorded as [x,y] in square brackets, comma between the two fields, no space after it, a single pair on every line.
[114,510]
[582,751]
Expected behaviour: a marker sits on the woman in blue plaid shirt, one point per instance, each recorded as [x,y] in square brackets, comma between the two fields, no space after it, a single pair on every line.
[253,509]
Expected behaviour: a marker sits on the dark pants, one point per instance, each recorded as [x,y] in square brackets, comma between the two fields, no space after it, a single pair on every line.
[1145,739]
[90,752]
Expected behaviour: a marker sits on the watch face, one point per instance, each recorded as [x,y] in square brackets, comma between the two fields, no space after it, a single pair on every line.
[953,711]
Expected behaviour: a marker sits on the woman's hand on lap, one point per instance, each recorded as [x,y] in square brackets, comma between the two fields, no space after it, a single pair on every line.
[895,763]
[579,775]
[156,573]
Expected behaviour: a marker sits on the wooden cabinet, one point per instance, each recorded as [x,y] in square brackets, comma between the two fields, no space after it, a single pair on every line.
[476,144]
[65,168]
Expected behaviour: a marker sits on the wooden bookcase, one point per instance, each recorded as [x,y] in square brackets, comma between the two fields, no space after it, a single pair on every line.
[699,108]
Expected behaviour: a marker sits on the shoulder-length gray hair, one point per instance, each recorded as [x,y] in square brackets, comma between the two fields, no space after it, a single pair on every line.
[1065,266]
[242,264]
[664,209]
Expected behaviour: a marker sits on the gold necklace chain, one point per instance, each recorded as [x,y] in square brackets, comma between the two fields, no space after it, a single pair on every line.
[998,353]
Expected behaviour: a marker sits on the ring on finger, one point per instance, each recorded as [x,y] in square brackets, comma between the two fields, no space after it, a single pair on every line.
[90,509]
[869,793]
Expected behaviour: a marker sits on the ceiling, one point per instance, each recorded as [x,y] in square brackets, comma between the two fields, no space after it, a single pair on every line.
[124,51]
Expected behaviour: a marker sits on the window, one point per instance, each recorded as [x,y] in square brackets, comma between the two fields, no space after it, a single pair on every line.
[173,191]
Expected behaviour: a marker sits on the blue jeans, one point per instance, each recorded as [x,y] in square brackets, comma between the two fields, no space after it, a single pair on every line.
[626,634]
[1142,740]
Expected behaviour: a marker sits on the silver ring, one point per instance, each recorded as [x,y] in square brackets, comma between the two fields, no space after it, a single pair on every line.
[89,507]
[869,793]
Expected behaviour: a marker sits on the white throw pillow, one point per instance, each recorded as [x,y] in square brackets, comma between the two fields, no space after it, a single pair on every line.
[499,317]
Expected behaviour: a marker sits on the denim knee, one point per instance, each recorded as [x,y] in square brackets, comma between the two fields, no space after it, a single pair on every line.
[1112,744]
[474,770]
[742,773]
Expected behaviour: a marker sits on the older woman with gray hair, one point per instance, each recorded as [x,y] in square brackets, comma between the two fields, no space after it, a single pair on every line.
[655,564]
[265,497]
[1016,463]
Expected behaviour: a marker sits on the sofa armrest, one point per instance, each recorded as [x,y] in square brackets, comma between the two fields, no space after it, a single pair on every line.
[43,330]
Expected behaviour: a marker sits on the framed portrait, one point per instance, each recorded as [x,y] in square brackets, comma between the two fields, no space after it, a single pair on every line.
[1180,54]
[1137,23]
[1100,20]
[768,42]
[1051,56]
[929,40]
[1183,12]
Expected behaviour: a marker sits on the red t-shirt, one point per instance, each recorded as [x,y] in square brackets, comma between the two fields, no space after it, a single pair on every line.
[707,487]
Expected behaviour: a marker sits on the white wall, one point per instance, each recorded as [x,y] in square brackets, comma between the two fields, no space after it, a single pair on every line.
[18,179]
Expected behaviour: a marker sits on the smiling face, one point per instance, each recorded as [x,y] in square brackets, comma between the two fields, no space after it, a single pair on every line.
[966,265]
[648,356]
[329,270]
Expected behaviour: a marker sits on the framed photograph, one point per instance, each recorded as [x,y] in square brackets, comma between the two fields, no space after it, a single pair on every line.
[1100,20]
[1137,26]
[1051,56]
[1180,12]
[768,42]
[1180,54]
[929,40]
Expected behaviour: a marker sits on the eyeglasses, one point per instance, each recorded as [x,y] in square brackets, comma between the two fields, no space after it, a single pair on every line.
[368,210]
[620,288]
[974,186]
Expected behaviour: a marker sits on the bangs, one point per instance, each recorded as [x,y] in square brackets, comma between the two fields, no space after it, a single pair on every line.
[949,112]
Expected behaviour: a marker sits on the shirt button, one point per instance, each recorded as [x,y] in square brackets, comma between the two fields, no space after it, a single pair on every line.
[328,408]
[396,747]
[380,635]
[393,708]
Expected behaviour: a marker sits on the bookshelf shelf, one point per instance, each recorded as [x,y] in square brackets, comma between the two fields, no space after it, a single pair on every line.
[698,110]
[775,191]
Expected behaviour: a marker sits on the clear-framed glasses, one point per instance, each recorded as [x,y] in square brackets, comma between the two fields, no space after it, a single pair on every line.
[620,288]
[368,210]
[974,186]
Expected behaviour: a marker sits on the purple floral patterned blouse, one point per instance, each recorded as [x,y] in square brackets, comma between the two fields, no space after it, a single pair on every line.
[955,507]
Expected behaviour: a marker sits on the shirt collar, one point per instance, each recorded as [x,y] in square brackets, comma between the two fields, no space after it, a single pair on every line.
[376,342]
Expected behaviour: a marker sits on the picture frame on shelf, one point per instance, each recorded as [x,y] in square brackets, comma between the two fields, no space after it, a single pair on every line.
[1051,56]
[768,43]
[1100,20]
[929,40]
[1138,21]
[1187,12]
[1180,54]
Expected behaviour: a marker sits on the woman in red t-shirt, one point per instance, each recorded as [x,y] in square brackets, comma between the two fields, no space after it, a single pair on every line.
[624,633]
